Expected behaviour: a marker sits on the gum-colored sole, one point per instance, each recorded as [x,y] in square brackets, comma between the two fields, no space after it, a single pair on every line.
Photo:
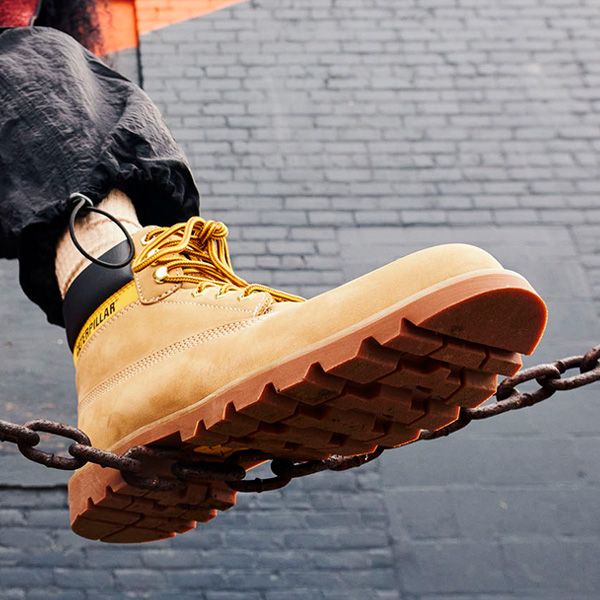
[379,384]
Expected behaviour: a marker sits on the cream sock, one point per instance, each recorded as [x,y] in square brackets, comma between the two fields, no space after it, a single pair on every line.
[96,234]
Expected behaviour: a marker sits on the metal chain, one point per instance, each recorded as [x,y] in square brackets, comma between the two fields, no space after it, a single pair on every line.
[134,468]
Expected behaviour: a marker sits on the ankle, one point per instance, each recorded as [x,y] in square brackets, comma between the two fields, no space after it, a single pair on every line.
[96,234]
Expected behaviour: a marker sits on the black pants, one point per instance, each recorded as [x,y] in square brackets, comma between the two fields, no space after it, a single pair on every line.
[70,124]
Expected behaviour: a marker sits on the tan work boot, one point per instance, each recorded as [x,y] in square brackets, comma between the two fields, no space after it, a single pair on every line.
[184,354]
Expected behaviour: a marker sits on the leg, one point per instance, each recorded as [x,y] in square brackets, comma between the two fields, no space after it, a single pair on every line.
[70,124]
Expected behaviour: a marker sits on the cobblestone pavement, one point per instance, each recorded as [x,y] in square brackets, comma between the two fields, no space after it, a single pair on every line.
[334,136]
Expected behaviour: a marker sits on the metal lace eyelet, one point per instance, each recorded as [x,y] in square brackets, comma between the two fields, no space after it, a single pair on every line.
[160,274]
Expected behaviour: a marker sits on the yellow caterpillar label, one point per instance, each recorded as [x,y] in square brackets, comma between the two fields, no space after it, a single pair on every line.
[108,309]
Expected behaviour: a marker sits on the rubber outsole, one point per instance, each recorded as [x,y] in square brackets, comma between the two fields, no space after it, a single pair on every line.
[378,384]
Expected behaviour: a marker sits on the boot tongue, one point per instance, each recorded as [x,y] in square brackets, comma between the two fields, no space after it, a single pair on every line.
[262,301]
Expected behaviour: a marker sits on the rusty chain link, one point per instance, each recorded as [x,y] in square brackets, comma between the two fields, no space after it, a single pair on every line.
[232,470]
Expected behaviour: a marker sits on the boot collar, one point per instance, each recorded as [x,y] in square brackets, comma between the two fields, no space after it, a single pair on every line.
[92,287]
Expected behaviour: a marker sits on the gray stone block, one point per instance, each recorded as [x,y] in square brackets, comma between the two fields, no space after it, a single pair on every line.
[434,567]
[537,565]
[421,513]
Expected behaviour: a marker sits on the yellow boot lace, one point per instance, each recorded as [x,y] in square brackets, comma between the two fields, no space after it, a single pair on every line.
[199,249]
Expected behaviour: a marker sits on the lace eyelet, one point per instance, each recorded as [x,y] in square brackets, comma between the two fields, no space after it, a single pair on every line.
[160,274]
[145,241]
[196,294]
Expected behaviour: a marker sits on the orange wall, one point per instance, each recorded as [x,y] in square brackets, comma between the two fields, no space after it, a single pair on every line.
[124,20]
[119,27]
[154,14]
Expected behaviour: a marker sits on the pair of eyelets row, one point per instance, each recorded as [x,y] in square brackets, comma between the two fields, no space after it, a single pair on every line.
[161,274]
[239,297]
